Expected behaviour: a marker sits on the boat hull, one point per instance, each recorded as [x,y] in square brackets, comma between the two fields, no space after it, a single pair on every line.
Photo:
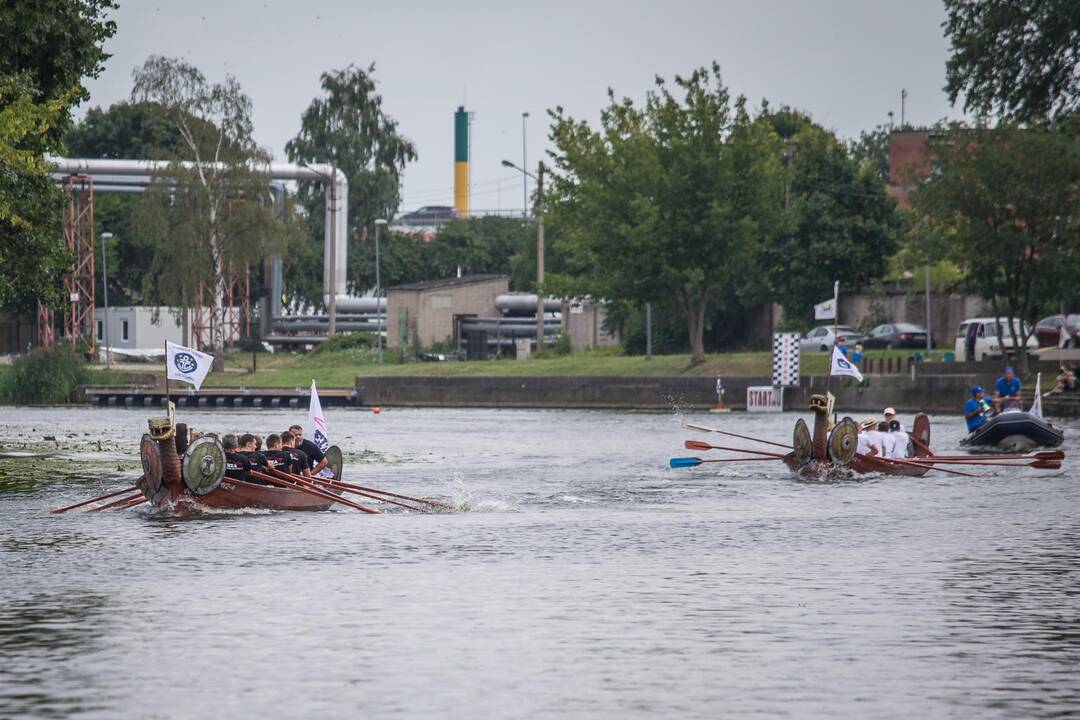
[1014,431]
[237,494]
[861,465]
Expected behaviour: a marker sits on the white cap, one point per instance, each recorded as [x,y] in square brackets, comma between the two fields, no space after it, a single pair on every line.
[889,411]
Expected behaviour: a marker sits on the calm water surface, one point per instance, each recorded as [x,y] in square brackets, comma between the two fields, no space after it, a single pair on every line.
[582,578]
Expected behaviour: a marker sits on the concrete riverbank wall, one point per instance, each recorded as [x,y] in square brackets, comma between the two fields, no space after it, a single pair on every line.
[942,393]
[932,387]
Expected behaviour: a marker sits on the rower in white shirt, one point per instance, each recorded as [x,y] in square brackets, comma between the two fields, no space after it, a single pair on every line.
[899,439]
[865,446]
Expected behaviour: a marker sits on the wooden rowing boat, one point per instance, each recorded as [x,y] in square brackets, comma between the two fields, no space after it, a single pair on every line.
[180,475]
[831,452]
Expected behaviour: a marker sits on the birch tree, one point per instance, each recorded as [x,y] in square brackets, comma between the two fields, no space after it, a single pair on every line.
[209,210]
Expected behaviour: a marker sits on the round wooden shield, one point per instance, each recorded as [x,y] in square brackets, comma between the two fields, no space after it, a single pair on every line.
[802,443]
[334,461]
[843,442]
[151,463]
[920,429]
[204,465]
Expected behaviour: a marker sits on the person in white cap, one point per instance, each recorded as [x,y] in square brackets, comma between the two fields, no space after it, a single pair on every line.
[890,415]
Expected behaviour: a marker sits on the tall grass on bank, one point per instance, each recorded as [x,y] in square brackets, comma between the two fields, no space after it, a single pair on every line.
[43,377]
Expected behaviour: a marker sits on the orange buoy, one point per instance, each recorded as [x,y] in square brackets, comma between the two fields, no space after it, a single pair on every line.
[376,410]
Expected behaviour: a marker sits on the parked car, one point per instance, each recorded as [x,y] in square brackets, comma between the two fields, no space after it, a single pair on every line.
[976,339]
[821,338]
[428,215]
[897,335]
[1048,330]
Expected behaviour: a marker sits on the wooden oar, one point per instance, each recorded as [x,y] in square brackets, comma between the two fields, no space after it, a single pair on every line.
[688,462]
[133,502]
[333,484]
[1045,464]
[705,428]
[114,503]
[125,491]
[910,462]
[429,501]
[699,445]
[312,491]
[1043,455]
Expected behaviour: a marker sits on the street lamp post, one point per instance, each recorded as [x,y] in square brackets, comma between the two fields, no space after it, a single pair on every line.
[331,326]
[539,178]
[379,224]
[105,286]
[524,164]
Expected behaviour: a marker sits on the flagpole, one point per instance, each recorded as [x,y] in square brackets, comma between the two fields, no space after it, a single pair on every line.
[167,398]
[835,332]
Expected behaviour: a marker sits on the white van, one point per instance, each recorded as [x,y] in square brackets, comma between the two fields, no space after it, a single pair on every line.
[977,339]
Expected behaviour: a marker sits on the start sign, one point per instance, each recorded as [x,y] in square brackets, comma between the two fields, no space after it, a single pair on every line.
[765,398]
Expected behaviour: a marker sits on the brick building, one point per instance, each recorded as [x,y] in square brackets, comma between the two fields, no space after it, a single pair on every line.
[428,312]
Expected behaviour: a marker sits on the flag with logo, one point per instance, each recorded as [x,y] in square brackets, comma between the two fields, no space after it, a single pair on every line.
[186,364]
[827,310]
[316,427]
[842,366]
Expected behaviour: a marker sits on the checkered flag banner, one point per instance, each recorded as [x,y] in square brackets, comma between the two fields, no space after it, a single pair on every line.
[785,359]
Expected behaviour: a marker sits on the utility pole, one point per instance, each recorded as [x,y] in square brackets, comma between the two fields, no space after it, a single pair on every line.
[903,101]
[331,327]
[105,286]
[929,324]
[379,223]
[648,331]
[540,258]
[524,164]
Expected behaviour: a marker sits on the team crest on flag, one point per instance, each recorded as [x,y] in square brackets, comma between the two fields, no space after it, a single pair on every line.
[842,366]
[186,364]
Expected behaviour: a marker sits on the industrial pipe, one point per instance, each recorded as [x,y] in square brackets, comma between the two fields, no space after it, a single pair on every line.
[317,172]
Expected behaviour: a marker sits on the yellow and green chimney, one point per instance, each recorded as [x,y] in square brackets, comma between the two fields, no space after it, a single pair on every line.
[461,161]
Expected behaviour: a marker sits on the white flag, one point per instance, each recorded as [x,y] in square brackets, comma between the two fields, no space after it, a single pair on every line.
[842,366]
[825,310]
[316,427]
[186,364]
[1036,406]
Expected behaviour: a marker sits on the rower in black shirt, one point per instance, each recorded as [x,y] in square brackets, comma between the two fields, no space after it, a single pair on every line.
[275,456]
[299,457]
[248,448]
[316,458]
[236,464]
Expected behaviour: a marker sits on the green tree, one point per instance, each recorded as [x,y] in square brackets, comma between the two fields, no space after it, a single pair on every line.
[841,224]
[871,151]
[55,43]
[348,125]
[211,213]
[1018,59]
[1003,205]
[139,131]
[46,48]
[669,199]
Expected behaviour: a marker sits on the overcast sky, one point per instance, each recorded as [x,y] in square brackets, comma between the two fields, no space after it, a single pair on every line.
[843,61]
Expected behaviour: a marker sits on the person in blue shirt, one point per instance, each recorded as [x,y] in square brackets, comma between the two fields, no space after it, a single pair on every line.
[1007,390]
[976,410]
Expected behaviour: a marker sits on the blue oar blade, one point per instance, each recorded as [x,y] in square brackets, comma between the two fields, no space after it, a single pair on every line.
[685,462]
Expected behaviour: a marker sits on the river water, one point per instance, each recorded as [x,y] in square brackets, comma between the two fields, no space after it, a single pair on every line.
[580,578]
